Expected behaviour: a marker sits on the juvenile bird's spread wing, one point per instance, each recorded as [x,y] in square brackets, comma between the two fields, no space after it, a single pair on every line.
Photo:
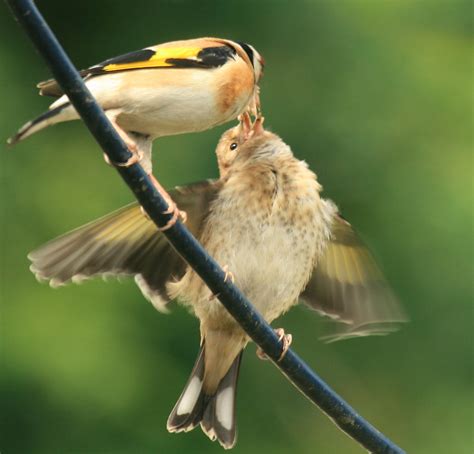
[347,286]
[124,242]
[211,54]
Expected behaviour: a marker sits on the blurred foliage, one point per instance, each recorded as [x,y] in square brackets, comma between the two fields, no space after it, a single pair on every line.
[376,97]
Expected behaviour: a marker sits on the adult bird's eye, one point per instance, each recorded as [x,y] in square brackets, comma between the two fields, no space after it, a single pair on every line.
[233,146]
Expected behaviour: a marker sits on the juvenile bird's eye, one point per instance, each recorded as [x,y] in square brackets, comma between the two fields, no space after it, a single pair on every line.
[233,145]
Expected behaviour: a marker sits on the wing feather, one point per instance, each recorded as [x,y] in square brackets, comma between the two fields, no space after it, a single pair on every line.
[347,286]
[157,57]
[124,242]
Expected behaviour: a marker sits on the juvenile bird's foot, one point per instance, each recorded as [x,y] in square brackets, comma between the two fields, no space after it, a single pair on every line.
[285,340]
[228,274]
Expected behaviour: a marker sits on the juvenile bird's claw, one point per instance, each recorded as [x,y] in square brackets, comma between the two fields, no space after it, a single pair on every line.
[228,274]
[285,340]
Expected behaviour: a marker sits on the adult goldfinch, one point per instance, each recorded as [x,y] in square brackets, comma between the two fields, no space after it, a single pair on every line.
[265,220]
[167,89]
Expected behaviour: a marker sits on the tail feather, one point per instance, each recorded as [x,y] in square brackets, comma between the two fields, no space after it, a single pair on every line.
[187,413]
[50,117]
[218,421]
[215,413]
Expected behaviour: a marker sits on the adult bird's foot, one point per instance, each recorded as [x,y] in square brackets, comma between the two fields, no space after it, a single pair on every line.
[172,208]
[172,220]
[285,339]
[136,157]
[176,214]
[183,216]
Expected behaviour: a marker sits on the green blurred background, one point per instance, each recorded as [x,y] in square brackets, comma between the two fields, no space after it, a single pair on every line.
[377,97]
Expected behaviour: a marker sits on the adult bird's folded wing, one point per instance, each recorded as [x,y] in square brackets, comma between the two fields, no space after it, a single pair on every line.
[347,286]
[205,54]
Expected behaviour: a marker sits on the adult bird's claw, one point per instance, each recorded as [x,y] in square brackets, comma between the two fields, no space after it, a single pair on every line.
[136,157]
[172,220]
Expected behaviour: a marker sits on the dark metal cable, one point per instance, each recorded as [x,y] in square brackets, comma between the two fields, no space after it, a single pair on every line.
[186,245]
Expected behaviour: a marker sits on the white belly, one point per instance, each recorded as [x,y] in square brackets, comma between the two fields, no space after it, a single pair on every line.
[163,102]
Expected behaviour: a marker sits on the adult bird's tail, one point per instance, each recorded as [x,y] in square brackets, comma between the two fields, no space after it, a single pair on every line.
[63,112]
[215,413]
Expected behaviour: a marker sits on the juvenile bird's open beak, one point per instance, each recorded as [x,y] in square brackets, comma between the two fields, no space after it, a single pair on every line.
[245,125]
[249,129]
[257,127]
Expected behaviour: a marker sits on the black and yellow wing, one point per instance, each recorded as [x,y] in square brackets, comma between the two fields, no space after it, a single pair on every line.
[158,57]
[124,242]
[348,286]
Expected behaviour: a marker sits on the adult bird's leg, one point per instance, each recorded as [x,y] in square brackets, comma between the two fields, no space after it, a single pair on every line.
[172,207]
[132,146]
[137,156]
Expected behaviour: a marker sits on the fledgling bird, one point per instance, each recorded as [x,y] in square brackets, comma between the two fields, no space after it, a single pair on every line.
[167,89]
[264,220]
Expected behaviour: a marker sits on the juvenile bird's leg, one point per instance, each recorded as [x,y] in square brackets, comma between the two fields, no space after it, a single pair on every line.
[285,340]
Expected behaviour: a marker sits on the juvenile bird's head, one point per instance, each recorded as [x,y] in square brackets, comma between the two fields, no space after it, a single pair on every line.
[247,142]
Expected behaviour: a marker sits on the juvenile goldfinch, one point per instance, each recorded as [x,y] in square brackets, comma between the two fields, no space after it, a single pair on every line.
[167,89]
[264,220]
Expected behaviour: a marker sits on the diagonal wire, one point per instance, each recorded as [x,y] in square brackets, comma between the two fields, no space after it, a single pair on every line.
[295,369]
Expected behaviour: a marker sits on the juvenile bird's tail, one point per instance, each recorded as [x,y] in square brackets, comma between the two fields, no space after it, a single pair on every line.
[215,413]
[63,112]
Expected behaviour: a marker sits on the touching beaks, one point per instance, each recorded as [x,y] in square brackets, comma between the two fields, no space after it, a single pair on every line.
[247,129]
[245,124]
[257,127]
